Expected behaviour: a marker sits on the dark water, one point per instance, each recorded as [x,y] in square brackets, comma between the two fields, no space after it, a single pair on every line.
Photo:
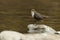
[15,14]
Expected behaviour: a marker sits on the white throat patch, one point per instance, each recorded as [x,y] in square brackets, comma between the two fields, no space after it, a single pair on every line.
[32,12]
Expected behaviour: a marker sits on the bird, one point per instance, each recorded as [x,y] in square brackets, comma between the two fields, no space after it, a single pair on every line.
[36,15]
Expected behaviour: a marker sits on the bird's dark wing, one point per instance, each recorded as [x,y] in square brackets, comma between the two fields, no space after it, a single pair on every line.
[38,16]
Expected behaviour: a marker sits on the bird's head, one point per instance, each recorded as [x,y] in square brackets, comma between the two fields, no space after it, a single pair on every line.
[32,12]
[32,9]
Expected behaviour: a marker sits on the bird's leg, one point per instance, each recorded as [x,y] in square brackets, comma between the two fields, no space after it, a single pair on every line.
[37,22]
[34,21]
